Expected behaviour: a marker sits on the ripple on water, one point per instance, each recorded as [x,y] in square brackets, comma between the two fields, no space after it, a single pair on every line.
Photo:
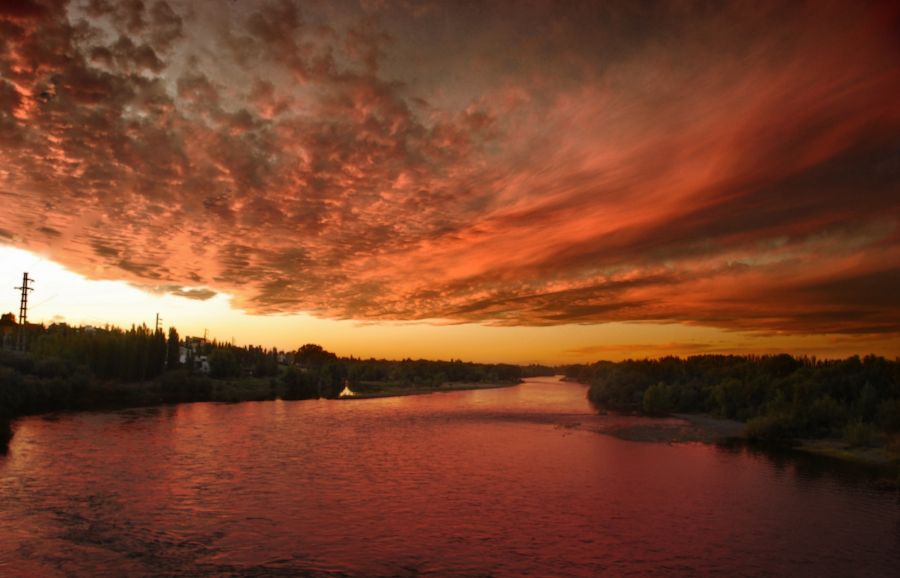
[502,482]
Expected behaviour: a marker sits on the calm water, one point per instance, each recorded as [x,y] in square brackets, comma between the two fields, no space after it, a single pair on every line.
[482,483]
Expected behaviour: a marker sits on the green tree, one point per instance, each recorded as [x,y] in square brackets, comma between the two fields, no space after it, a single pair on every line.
[223,364]
[332,377]
[867,404]
[659,399]
[299,384]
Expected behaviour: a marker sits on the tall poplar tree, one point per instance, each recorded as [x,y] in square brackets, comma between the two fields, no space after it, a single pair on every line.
[173,353]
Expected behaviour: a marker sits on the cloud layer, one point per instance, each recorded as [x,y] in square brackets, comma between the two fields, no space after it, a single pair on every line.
[520,164]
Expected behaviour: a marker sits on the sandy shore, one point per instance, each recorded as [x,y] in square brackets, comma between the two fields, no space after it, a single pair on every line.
[678,428]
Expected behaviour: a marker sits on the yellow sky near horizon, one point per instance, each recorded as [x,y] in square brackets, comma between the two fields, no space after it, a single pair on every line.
[61,295]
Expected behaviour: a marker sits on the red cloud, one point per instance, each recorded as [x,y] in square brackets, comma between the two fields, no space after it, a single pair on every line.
[732,166]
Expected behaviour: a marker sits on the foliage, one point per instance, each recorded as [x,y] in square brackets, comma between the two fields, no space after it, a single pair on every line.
[27,386]
[173,350]
[860,434]
[109,353]
[65,360]
[181,386]
[779,396]
[770,427]
[659,399]
[424,373]
[536,370]
[223,363]
[299,384]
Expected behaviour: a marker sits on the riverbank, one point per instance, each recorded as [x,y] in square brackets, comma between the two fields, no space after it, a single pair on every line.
[400,391]
[278,489]
[838,449]
[677,428]
[6,434]
[172,389]
[704,428]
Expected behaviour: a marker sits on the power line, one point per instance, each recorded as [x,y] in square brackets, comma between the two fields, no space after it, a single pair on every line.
[23,311]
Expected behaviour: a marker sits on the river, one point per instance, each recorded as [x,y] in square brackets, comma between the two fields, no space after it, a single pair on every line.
[501,482]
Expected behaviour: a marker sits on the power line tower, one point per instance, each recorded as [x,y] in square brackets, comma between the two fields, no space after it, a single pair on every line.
[158,322]
[23,311]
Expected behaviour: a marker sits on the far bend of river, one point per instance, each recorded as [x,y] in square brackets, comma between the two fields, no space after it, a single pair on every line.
[478,483]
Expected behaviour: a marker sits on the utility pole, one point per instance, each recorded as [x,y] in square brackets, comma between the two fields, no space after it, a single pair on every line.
[158,326]
[23,311]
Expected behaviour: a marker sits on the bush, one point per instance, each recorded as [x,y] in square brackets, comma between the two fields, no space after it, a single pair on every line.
[53,367]
[12,395]
[659,400]
[180,385]
[223,364]
[776,427]
[331,380]
[730,396]
[889,415]
[860,434]
[825,416]
[22,363]
[299,384]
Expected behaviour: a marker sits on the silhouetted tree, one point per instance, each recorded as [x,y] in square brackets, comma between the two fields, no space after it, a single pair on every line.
[299,384]
[658,400]
[173,350]
[312,355]
[779,396]
[223,363]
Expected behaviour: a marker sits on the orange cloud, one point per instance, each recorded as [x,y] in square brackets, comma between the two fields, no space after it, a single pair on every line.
[733,166]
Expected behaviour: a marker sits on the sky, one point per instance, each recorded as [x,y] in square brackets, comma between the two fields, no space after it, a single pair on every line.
[496,181]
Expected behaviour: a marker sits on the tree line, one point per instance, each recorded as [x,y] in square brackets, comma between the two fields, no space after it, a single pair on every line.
[780,397]
[77,368]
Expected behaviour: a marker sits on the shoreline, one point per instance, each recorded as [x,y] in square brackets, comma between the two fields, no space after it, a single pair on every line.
[445,388]
[112,396]
[841,450]
[675,428]
[704,428]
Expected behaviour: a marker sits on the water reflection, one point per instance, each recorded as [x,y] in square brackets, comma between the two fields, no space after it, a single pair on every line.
[505,482]
[805,466]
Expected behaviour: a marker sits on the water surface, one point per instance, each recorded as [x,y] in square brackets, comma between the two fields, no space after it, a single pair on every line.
[478,483]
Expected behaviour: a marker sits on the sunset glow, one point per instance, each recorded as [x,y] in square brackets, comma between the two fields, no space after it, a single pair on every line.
[544,182]
[449,288]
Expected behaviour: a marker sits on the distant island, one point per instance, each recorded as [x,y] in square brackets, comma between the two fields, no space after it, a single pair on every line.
[77,368]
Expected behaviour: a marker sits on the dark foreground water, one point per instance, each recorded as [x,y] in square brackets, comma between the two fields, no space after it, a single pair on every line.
[482,483]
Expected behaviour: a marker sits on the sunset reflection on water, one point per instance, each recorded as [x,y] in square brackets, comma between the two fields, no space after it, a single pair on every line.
[502,482]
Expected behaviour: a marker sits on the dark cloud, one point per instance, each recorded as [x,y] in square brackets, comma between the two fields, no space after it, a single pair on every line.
[198,294]
[49,231]
[22,10]
[722,164]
